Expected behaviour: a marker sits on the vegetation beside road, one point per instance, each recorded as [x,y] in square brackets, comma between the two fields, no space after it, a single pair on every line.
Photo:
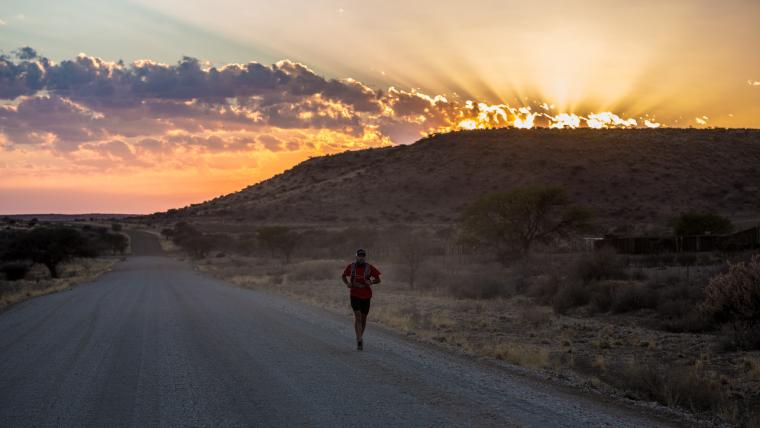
[646,327]
[38,258]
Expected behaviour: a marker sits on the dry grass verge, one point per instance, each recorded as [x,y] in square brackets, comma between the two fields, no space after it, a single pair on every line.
[609,351]
[74,272]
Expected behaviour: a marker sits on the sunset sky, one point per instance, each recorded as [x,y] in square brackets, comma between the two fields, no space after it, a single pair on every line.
[140,106]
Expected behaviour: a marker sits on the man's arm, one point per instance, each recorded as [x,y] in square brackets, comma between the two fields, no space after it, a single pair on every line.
[345,281]
[375,276]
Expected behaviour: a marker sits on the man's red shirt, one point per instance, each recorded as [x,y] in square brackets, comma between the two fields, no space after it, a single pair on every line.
[364,292]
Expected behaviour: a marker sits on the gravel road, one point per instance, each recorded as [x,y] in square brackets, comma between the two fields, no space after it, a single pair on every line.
[155,343]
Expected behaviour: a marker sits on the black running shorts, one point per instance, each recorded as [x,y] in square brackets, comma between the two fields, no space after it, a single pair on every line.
[361,305]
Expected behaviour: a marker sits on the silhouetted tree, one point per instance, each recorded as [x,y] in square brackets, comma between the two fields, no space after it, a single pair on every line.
[511,222]
[50,246]
[701,224]
[278,239]
[198,245]
[412,252]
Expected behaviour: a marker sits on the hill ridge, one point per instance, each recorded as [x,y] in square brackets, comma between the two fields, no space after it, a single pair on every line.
[627,177]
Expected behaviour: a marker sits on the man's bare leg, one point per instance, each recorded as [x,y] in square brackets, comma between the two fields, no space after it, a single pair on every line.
[358,327]
[364,324]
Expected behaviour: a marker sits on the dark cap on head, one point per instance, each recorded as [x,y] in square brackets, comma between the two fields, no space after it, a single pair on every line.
[360,252]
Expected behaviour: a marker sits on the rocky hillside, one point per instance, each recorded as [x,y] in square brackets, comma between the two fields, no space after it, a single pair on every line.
[627,177]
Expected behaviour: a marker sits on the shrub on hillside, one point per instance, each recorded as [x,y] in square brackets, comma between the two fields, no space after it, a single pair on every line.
[733,299]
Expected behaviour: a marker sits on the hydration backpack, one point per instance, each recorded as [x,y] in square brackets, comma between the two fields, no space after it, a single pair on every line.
[367,272]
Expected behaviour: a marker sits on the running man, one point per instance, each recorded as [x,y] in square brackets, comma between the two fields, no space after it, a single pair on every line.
[358,277]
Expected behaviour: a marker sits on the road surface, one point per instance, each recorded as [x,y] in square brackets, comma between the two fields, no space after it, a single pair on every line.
[154,343]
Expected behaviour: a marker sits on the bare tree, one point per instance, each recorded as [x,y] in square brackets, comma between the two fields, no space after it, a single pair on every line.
[413,250]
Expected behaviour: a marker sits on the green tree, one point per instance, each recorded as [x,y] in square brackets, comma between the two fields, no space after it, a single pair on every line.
[278,239]
[701,224]
[511,222]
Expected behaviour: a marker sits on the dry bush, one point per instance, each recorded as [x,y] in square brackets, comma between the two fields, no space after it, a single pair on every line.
[479,286]
[9,288]
[733,299]
[542,288]
[535,316]
[602,264]
[683,318]
[601,295]
[656,260]
[413,250]
[753,420]
[14,271]
[570,294]
[685,387]
[474,281]
[632,296]
[315,270]
[679,307]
